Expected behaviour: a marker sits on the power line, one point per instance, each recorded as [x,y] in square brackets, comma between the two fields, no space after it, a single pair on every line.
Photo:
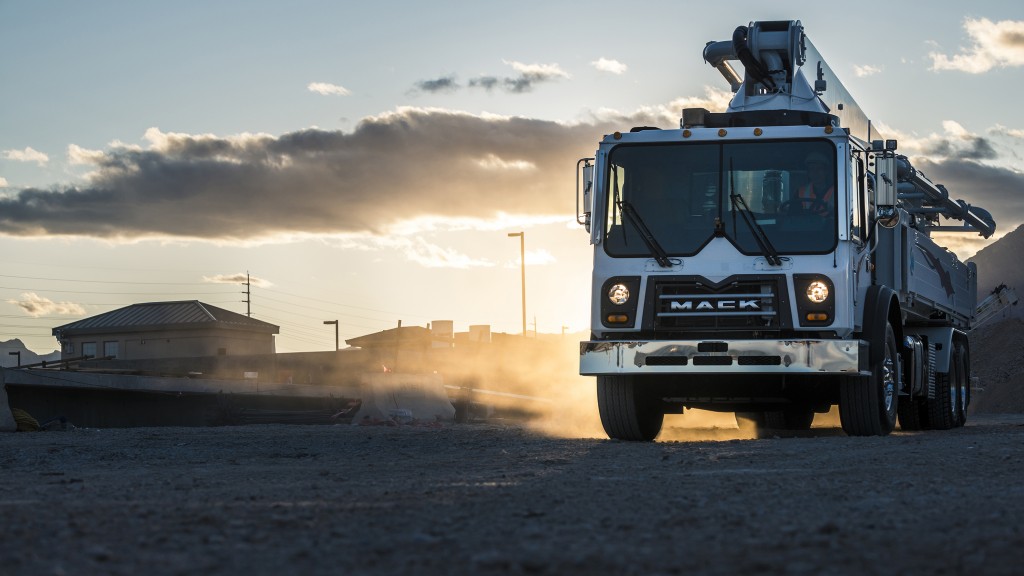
[105,292]
[392,313]
[108,281]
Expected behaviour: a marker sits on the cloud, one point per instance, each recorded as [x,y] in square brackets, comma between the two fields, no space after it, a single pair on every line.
[430,255]
[78,155]
[415,249]
[442,84]
[529,76]
[3,182]
[610,66]
[714,99]
[956,142]
[486,82]
[423,224]
[400,165]
[27,155]
[35,306]
[1001,130]
[327,89]
[993,44]
[238,278]
[539,257]
[865,70]
[493,162]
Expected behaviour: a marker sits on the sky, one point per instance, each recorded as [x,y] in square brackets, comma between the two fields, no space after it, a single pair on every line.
[365,161]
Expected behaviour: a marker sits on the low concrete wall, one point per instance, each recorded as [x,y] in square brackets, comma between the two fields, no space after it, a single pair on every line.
[99,399]
[104,400]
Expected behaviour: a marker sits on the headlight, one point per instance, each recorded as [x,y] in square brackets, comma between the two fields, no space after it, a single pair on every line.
[618,294]
[817,292]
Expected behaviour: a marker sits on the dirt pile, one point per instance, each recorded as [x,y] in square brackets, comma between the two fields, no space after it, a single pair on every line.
[997,360]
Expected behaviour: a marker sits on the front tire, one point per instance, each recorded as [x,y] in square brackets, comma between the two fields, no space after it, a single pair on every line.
[628,411]
[868,406]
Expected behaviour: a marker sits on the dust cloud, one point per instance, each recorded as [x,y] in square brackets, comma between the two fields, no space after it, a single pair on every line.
[537,380]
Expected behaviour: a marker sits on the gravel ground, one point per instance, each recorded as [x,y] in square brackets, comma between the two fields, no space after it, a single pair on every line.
[499,498]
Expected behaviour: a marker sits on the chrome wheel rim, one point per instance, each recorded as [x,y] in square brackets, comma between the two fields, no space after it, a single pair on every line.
[888,382]
[954,400]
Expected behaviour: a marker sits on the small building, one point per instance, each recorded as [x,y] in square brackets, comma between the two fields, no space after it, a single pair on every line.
[166,330]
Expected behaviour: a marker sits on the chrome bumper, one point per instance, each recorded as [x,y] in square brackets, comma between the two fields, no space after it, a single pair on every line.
[724,357]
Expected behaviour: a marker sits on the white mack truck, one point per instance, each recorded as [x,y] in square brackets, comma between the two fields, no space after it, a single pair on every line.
[774,260]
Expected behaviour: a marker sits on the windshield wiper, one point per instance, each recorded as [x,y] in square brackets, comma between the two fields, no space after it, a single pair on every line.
[769,251]
[645,233]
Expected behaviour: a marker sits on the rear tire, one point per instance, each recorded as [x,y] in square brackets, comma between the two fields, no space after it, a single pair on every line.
[943,410]
[913,414]
[868,406]
[628,411]
[963,389]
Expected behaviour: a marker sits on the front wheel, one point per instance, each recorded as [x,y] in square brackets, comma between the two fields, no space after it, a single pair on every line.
[868,406]
[628,411]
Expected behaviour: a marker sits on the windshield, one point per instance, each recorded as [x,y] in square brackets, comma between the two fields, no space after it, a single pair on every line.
[682,192]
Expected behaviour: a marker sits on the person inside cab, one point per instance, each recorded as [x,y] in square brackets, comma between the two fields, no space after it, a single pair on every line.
[817,196]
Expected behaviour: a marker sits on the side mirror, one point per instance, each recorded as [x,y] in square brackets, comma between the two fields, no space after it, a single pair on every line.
[886,193]
[885,180]
[587,173]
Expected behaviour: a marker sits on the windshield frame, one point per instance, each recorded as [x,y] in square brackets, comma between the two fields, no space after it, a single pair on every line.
[684,190]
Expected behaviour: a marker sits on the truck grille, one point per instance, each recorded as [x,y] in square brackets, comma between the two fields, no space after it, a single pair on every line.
[736,304]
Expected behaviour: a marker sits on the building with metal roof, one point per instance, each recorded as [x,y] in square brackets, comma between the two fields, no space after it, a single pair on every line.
[181,329]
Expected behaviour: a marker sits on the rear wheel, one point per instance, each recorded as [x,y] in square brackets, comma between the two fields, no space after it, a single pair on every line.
[944,410]
[867,406]
[628,411]
[963,379]
[913,414]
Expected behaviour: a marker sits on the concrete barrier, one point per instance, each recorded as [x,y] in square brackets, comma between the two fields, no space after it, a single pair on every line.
[7,423]
[404,398]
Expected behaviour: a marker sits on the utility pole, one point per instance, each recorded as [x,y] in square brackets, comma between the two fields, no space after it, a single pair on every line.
[337,342]
[248,295]
[522,260]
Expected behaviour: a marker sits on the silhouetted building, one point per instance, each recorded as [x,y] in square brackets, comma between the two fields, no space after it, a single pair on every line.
[166,330]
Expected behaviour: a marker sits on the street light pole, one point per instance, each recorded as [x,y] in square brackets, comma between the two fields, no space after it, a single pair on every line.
[337,343]
[522,261]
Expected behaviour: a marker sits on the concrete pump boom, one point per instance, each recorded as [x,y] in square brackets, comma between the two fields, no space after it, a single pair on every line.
[774,56]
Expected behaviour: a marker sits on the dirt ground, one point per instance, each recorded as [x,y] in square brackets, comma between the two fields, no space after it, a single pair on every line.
[499,498]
